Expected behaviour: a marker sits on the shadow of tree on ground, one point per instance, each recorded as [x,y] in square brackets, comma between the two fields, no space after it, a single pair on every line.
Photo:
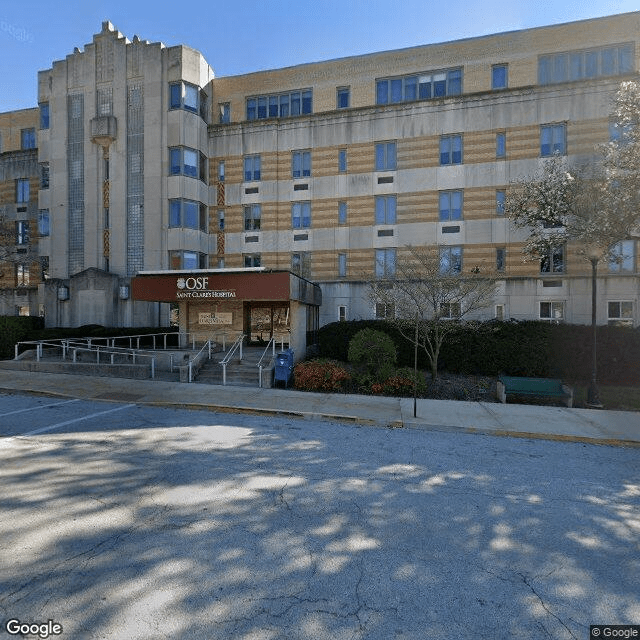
[236,527]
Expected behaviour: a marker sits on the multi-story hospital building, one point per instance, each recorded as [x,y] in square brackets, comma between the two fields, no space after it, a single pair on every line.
[141,179]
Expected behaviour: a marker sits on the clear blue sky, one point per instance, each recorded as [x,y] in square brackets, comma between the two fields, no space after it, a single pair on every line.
[241,36]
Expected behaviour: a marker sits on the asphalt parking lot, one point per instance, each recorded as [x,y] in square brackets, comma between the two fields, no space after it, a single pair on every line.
[123,521]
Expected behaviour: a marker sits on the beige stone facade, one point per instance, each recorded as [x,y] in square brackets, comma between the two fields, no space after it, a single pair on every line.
[146,161]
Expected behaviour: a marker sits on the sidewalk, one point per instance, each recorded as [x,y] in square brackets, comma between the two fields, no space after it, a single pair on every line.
[560,423]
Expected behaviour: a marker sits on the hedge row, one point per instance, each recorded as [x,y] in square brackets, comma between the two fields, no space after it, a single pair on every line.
[14,329]
[527,348]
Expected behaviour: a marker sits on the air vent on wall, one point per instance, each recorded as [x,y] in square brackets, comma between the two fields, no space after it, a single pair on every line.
[301,236]
[251,190]
[453,229]
[251,238]
[552,283]
[385,179]
[385,232]
[301,187]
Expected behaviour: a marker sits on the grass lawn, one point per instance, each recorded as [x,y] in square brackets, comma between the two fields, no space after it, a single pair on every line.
[620,398]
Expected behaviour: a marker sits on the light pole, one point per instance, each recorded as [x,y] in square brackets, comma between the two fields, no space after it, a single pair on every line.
[415,369]
[593,395]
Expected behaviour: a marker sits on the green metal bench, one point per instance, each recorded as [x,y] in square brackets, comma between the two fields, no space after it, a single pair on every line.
[539,387]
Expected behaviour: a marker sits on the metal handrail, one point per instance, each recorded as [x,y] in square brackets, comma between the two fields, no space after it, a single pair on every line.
[271,343]
[206,345]
[65,346]
[237,344]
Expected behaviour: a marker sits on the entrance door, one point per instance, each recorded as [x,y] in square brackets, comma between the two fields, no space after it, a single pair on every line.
[264,321]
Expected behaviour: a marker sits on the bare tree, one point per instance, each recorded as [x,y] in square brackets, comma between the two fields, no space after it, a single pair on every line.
[429,293]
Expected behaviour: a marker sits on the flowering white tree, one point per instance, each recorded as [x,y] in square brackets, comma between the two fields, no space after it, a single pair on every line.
[560,205]
[621,157]
[428,293]
[593,210]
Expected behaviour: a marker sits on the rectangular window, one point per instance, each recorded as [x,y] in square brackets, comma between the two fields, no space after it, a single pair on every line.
[623,257]
[499,77]
[499,313]
[22,232]
[44,175]
[342,265]
[501,259]
[183,95]
[252,260]
[301,164]
[251,168]
[620,313]
[501,199]
[190,162]
[28,139]
[553,262]
[190,260]
[44,115]
[451,150]
[342,160]
[342,313]
[22,275]
[301,264]
[386,209]
[611,60]
[221,171]
[552,311]
[450,310]
[187,162]
[385,156]
[342,212]
[22,190]
[385,263]
[419,87]
[175,213]
[252,216]
[187,260]
[501,145]
[301,215]
[280,105]
[343,95]
[43,222]
[187,214]
[450,260]
[190,214]
[553,139]
[385,311]
[450,205]
[224,112]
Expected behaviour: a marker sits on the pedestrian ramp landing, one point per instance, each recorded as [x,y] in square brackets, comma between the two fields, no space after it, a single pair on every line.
[155,356]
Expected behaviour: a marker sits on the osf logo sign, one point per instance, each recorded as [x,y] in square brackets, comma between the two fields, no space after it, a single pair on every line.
[193,284]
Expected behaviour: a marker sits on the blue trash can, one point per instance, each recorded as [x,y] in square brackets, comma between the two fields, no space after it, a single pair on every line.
[284,367]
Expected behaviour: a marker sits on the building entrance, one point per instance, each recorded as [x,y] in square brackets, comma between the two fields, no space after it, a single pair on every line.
[264,320]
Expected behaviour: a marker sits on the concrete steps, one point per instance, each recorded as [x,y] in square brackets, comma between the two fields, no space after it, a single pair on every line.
[242,373]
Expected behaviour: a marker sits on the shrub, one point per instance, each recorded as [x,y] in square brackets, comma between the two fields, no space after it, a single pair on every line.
[320,375]
[373,355]
[400,384]
[16,329]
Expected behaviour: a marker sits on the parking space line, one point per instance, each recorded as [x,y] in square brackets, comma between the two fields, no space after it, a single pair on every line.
[42,406]
[51,427]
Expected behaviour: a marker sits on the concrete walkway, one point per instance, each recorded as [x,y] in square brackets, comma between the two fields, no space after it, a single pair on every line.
[597,426]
